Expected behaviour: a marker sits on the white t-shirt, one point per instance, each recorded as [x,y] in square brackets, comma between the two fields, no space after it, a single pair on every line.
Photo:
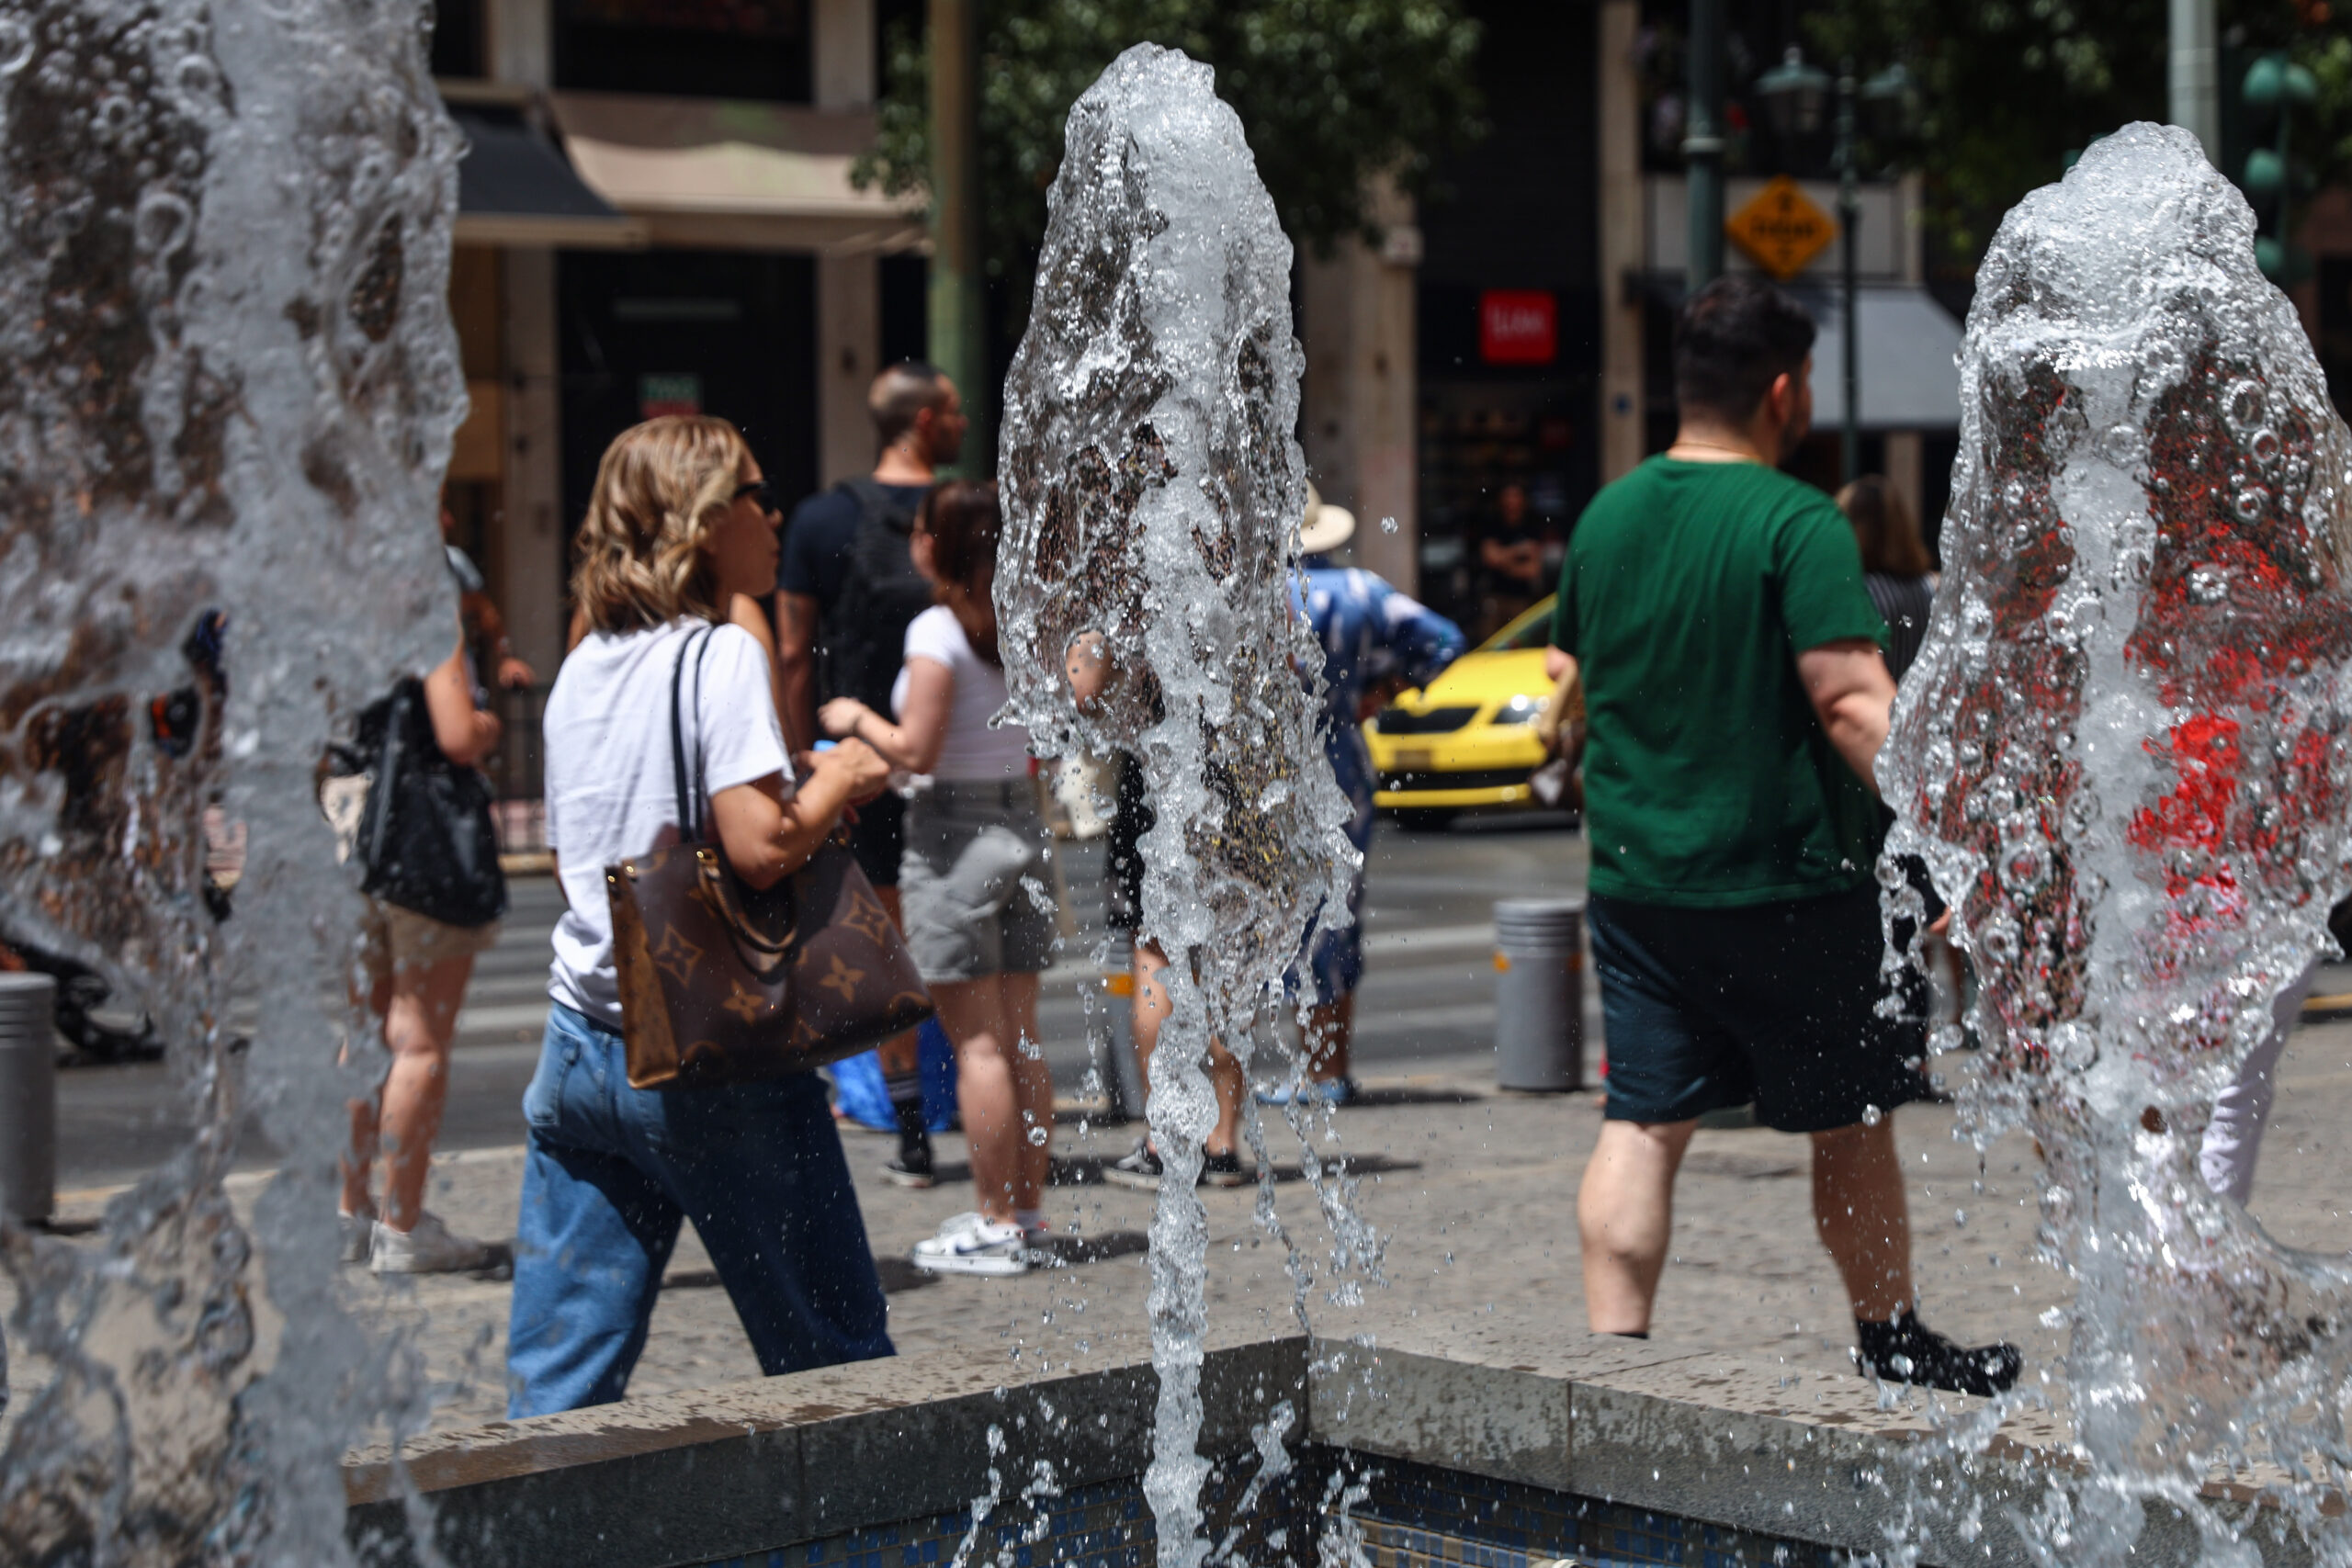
[611,792]
[972,750]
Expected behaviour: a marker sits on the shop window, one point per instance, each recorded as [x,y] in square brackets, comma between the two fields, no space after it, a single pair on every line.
[702,49]
[1479,438]
[457,39]
[2335,327]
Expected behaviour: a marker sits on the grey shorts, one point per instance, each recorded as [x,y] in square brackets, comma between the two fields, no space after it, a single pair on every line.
[968,849]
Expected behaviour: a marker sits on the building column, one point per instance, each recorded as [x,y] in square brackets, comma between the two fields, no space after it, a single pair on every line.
[1622,416]
[519,43]
[849,346]
[518,47]
[848,287]
[534,542]
[1362,388]
[841,46]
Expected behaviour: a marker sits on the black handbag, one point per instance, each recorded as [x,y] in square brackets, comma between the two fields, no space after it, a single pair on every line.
[426,841]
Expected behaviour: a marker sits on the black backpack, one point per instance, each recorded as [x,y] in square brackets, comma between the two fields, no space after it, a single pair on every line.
[865,631]
[426,841]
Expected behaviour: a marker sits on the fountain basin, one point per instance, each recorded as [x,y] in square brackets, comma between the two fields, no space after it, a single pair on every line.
[1447,1447]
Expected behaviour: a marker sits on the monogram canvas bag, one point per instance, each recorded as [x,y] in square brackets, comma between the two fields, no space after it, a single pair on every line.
[722,983]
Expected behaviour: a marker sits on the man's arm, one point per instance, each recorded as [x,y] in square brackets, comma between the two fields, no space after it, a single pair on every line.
[1850,690]
[796,649]
[1558,662]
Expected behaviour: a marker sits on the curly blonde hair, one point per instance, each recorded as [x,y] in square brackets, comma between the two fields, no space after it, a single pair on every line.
[637,559]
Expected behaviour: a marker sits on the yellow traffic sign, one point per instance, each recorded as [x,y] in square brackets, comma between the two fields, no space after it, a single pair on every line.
[1780,229]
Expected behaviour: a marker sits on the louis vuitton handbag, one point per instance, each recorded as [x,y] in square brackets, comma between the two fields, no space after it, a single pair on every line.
[722,983]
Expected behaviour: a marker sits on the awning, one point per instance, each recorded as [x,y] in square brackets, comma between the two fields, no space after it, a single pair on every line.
[711,172]
[514,188]
[1909,370]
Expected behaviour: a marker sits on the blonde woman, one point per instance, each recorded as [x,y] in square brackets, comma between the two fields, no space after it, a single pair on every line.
[677,529]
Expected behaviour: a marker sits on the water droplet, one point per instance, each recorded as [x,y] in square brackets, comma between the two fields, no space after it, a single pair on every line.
[2243,407]
[1388,524]
[164,222]
[198,77]
[1873,1115]
[1037,1136]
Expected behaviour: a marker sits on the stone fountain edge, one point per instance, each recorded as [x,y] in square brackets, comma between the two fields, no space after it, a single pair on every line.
[704,1475]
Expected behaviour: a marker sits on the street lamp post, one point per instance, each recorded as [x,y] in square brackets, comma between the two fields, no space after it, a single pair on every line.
[1703,145]
[1794,94]
[958,343]
[1850,219]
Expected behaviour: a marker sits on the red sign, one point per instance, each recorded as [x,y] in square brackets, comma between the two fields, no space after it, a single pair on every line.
[1518,326]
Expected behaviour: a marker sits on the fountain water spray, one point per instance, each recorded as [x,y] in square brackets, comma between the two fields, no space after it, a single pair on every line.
[1153,492]
[2125,752]
[231,385]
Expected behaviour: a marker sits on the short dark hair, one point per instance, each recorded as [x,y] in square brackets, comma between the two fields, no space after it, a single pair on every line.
[901,392]
[1732,340]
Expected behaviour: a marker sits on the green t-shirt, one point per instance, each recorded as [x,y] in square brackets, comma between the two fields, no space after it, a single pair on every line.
[1688,592]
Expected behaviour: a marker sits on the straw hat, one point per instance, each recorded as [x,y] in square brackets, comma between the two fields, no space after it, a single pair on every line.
[1325,526]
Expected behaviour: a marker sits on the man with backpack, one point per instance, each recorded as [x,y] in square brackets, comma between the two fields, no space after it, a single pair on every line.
[845,590]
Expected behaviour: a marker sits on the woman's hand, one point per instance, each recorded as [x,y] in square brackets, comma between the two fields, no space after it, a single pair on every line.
[1087,666]
[861,771]
[839,718]
[769,829]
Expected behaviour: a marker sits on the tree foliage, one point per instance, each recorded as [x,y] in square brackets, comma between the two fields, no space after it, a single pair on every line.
[1329,92]
[2009,87]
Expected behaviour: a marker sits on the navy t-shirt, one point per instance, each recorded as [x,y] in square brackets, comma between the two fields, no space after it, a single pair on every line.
[816,541]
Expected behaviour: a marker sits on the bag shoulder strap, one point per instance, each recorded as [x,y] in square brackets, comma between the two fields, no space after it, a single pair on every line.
[689,795]
[405,695]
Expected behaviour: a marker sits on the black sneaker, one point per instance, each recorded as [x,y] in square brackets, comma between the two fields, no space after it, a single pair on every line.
[1906,1350]
[1142,1170]
[911,1167]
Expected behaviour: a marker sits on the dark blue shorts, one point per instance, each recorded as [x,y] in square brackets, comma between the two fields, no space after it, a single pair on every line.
[1774,1003]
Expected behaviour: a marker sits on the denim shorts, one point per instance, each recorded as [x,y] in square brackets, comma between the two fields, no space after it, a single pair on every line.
[1774,1003]
[973,852]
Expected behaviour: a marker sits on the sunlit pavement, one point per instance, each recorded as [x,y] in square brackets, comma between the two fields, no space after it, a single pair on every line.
[1473,1192]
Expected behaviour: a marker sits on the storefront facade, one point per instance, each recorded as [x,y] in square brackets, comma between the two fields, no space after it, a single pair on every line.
[656,217]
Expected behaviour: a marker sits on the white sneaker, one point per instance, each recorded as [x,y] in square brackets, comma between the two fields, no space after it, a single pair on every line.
[429,1248]
[358,1235]
[970,1245]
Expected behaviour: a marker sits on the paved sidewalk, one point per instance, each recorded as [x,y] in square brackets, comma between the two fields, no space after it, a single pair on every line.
[1475,1193]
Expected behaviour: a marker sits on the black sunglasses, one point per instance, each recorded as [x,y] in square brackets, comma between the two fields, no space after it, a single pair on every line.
[762,489]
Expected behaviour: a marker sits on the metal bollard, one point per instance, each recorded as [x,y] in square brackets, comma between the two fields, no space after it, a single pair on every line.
[1113,1038]
[1539,994]
[27,1098]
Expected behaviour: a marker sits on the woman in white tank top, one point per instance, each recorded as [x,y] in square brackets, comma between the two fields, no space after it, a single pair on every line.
[972,878]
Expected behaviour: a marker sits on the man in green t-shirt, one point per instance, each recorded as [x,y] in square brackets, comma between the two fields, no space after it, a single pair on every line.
[1713,609]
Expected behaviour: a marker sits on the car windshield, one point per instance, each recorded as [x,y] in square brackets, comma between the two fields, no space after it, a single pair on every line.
[1531,628]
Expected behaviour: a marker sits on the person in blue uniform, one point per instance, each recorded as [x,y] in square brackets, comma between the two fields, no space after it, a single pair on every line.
[1376,639]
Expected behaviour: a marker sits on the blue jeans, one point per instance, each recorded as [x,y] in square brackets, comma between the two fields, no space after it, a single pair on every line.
[611,1170]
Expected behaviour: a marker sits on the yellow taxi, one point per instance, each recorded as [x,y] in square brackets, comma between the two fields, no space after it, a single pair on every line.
[1467,738]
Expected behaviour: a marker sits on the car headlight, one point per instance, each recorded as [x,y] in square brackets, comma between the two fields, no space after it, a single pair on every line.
[1520,709]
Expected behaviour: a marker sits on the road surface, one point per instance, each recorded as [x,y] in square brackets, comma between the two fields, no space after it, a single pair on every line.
[1427,996]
